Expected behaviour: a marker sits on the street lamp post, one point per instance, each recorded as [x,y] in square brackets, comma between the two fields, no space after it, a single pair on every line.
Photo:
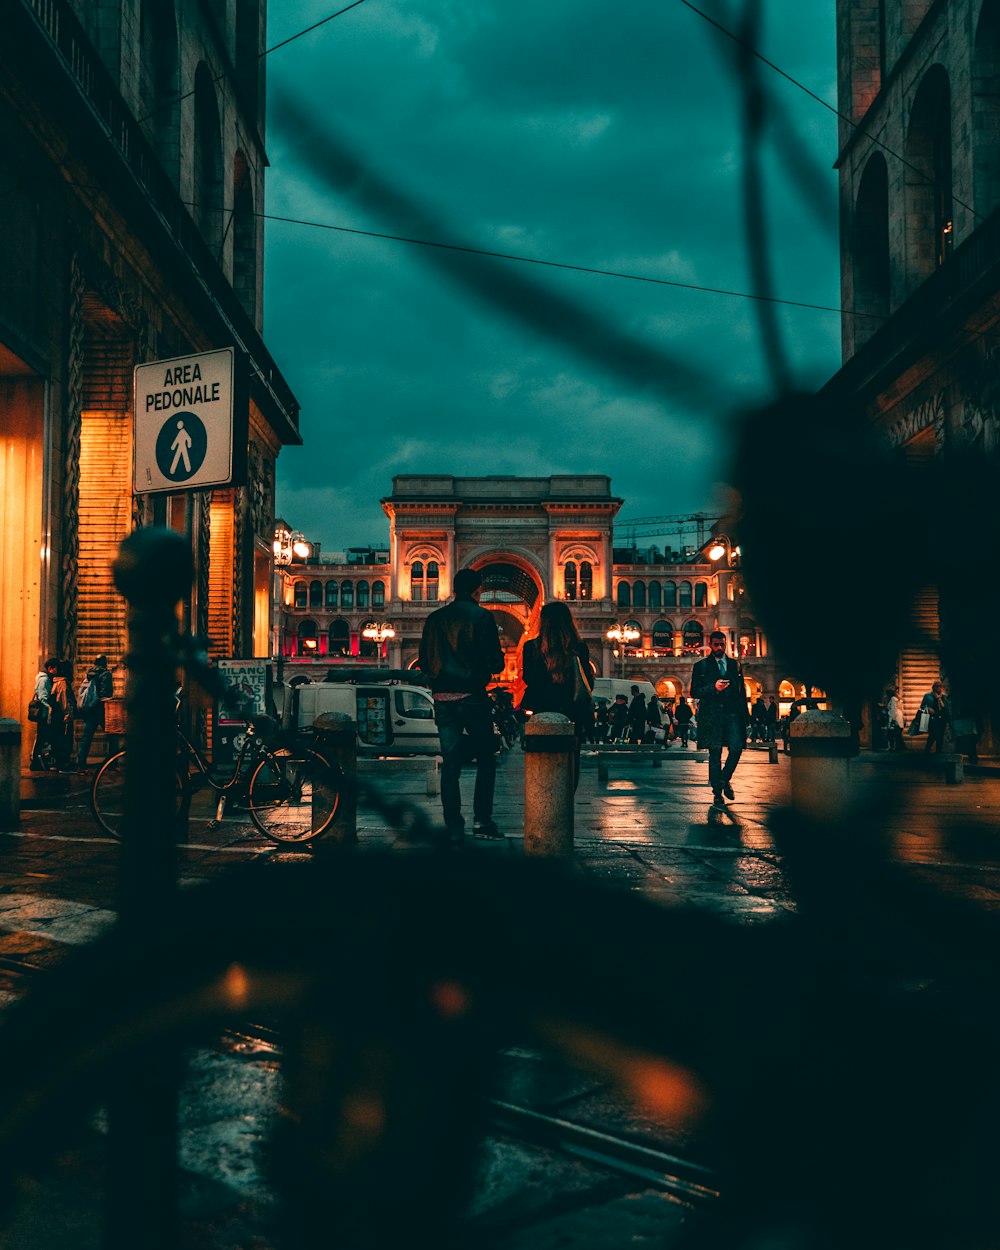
[378,633]
[622,634]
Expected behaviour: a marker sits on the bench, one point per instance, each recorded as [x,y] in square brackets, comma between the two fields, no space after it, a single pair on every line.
[949,762]
[626,750]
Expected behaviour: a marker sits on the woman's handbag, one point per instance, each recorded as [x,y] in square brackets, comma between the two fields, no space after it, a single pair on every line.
[581,699]
[38,712]
[920,723]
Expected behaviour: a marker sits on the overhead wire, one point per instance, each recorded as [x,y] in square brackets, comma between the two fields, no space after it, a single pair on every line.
[751,50]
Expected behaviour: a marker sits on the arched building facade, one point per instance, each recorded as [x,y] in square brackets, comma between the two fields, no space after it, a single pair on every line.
[533,539]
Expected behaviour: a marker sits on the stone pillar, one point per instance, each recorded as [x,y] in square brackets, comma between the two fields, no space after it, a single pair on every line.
[820,766]
[549,749]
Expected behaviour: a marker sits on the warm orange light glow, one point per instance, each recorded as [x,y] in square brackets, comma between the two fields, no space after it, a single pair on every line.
[717,551]
[236,986]
[302,550]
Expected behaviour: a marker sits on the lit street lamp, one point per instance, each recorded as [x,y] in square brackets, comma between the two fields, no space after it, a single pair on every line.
[622,634]
[378,633]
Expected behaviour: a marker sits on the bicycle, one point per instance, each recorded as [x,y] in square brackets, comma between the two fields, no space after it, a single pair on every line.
[292,794]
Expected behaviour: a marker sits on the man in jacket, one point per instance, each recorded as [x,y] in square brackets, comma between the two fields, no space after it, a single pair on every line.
[636,715]
[717,684]
[459,654]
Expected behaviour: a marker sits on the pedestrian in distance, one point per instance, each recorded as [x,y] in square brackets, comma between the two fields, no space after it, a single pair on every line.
[717,684]
[602,720]
[636,716]
[771,720]
[619,718]
[460,653]
[654,720]
[894,721]
[97,686]
[938,704]
[553,664]
[758,720]
[683,716]
[42,754]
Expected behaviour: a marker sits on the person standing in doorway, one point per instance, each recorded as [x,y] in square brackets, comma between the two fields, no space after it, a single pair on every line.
[938,704]
[894,719]
[99,685]
[459,654]
[717,684]
[42,755]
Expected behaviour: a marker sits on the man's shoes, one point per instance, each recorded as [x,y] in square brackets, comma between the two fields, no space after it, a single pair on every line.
[727,790]
[486,829]
[717,799]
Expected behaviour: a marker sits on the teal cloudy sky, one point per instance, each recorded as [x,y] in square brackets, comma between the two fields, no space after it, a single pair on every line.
[600,136]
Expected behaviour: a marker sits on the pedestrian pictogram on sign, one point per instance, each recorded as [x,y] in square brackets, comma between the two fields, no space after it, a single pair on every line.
[191,417]
[181,446]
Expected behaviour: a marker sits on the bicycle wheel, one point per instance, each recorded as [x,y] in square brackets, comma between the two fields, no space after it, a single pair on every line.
[294,795]
[107,795]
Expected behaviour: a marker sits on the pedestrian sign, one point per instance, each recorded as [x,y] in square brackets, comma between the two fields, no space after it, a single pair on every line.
[186,416]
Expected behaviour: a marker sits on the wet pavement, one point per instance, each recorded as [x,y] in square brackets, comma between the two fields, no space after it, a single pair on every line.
[648,830]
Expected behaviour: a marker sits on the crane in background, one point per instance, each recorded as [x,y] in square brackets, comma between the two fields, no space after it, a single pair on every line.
[697,523]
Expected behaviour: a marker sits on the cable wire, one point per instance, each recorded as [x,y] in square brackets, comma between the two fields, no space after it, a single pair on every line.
[737,39]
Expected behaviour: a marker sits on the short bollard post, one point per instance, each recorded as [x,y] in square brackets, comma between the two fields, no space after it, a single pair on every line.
[337,742]
[434,777]
[10,773]
[821,748]
[772,752]
[549,750]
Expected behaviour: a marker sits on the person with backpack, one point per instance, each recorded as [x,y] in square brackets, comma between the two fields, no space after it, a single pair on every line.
[99,685]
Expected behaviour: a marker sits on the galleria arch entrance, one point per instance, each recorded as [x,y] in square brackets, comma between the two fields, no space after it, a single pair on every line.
[514,595]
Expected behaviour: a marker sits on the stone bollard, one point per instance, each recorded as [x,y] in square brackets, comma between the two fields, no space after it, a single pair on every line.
[821,748]
[337,742]
[549,750]
[10,773]
[434,777]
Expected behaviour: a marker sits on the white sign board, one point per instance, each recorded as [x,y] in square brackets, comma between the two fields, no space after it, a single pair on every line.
[184,422]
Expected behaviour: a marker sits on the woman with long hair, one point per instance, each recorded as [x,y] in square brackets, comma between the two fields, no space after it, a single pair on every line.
[550,664]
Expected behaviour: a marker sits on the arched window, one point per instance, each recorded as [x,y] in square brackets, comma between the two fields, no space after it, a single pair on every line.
[361,600]
[207,159]
[308,642]
[347,595]
[685,600]
[315,594]
[986,111]
[378,594]
[663,636]
[692,637]
[244,238]
[700,594]
[586,580]
[340,638]
[331,594]
[871,248]
[569,579]
[928,198]
[301,595]
[417,581]
[655,595]
[624,595]
[432,581]
[669,594]
[638,594]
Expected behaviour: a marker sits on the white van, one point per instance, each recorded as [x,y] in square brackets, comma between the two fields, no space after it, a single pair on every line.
[392,718]
[608,687]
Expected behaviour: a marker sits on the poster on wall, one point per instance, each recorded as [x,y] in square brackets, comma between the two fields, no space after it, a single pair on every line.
[249,679]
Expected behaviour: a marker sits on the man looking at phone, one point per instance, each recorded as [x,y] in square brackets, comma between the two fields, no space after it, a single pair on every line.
[717,684]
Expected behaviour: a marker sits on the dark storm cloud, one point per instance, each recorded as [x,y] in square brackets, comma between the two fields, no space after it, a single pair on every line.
[567,133]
